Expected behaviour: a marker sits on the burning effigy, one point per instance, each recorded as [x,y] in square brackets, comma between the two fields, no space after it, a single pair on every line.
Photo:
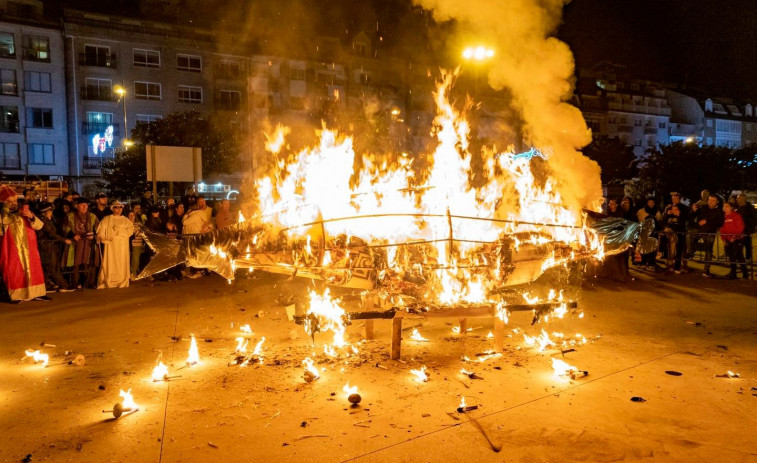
[449,240]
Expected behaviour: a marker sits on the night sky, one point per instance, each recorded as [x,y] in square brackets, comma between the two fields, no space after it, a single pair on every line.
[706,44]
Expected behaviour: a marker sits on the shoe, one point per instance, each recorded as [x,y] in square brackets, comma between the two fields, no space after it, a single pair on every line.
[677,272]
[50,291]
[66,290]
[42,298]
[78,287]
[707,275]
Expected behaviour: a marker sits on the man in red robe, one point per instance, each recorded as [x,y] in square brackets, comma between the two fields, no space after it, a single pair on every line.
[20,264]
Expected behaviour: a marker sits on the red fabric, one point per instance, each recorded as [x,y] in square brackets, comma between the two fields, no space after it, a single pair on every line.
[14,274]
[6,192]
[733,227]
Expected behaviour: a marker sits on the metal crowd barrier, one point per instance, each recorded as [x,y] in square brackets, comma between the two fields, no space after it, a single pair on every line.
[695,249]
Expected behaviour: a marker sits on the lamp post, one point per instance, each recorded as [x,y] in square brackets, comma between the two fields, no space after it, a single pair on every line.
[477,55]
[122,96]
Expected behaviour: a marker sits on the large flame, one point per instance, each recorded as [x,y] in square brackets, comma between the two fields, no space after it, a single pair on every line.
[329,193]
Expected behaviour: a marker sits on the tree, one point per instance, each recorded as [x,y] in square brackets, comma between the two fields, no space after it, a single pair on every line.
[126,174]
[689,169]
[615,158]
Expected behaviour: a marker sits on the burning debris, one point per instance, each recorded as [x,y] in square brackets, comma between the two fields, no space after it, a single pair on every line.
[38,357]
[125,406]
[416,336]
[463,407]
[194,353]
[241,357]
[311,373]
[563,369]
[352,395]
[420,374]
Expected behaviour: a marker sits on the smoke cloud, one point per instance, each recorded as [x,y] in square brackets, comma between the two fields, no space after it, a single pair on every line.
[538,70]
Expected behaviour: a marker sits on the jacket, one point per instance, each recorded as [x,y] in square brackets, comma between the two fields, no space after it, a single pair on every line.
[733,227]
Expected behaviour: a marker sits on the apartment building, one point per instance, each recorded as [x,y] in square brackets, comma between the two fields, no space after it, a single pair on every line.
[122,72]
[33,124]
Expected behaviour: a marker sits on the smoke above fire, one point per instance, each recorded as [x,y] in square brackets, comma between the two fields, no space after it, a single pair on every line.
[538,70]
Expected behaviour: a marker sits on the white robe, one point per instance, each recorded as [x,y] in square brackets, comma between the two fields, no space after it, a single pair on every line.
[115,231]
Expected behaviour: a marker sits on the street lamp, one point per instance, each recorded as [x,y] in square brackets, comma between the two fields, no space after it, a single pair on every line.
[122,96]
[477,55]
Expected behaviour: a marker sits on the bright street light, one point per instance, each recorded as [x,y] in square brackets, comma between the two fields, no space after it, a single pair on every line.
[479,53]
[122,96]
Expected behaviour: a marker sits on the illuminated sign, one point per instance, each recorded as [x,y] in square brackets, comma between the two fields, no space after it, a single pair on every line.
[101,142]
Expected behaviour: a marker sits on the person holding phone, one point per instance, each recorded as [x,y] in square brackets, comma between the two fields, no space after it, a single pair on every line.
[20,264]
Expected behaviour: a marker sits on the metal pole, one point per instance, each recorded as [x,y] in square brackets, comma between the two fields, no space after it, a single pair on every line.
[123,99]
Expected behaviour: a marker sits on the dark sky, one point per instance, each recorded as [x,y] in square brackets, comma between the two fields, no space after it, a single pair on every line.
[706,44]
[710,44]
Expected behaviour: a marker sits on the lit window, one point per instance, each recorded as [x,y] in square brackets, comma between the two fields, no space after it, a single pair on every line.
[9,85]
[41,154]
[36,48]
[7,46]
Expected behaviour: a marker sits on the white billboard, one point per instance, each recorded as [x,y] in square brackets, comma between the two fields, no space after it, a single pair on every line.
[174,163]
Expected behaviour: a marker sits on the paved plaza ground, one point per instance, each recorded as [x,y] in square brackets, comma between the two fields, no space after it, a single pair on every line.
[639,334]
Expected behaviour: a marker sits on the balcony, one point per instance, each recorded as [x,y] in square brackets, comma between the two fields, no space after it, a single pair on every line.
[94,93]
[91,128]
[95,162]
[107,60]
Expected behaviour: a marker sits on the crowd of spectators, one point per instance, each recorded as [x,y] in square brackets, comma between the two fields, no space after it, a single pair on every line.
[683,230]
[88,243]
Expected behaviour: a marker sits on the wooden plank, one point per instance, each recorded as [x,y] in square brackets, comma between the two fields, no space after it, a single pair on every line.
[499,334]
[396,337]
[463,326]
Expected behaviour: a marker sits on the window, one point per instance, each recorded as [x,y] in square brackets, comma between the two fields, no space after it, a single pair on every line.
[37,81]
[9,119]
[709,123]
[364,78]
[40,118]
[147,118]
[637,122]
[98,89]
[9,85]
[41,154]
[188,94]
[296,74]
[611,120]
[7,46]
[709,140]
[146,58]
[297,103]
[97,122]
[98,56]
[147,91]
[229,69]
[36,48]
[10,158]
[229,99]
[190,63]
[662,125]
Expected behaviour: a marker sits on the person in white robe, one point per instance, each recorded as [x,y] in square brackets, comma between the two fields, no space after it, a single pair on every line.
[114,232]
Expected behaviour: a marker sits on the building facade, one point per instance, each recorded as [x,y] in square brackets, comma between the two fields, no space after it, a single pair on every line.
[33,124]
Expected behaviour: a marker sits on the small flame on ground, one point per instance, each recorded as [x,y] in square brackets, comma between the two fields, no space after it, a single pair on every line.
[349,390]
[128,401]
[245,329]
[543,341]
[194,353]
[160,372]
[416,336]
[38,357]
[490,335]
[462,403]
[241,345]
[420,375]
[259,349]
[563,369]
[310,366]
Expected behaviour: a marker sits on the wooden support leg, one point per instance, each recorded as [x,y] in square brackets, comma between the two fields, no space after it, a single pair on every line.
[369,329]
[367,307]
[396,337]
[499,334]
[463,326]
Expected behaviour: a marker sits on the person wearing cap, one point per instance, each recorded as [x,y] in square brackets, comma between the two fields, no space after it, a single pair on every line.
[80,228]
[114,232]
[101,208]
[50,242]
[20,264]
